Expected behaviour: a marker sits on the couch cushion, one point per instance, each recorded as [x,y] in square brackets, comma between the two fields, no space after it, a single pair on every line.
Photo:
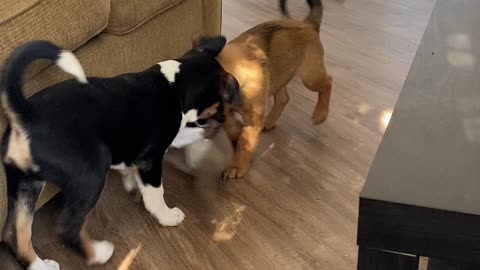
[126,15]
[68,23]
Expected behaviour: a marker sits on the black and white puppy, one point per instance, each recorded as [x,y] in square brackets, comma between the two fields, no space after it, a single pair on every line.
[71,133]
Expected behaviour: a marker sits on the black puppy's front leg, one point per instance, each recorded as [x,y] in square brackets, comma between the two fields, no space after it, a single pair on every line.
[149,181]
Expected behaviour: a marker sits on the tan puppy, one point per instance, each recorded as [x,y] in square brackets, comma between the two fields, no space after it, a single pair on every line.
[264,60]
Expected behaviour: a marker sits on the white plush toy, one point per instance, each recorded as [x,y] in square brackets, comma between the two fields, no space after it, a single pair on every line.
[201,151]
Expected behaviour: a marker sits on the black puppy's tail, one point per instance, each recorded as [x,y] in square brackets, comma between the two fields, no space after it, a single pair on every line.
[14,103]
[314,17]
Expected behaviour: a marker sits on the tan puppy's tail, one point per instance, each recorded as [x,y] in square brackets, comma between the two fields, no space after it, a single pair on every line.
[283,8]
[316,14]
[314,17]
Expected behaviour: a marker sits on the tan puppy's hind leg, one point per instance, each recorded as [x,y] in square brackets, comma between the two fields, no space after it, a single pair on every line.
[316,78]
[320,113]
[281,99]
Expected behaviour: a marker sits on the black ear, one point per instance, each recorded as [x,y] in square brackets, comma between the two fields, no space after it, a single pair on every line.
[230,92]
[211,45]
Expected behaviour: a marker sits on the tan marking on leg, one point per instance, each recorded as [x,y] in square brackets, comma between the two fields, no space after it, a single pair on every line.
[87,243]
[9,230]
[96,252]
[18,149]
[23,224]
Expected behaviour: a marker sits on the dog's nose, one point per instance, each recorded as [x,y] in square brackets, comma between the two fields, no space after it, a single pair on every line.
[201,122]
[192,124]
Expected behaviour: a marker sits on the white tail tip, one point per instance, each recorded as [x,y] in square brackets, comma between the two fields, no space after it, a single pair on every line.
[70,64]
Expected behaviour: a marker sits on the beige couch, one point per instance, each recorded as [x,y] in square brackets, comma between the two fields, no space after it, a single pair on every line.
[108,36]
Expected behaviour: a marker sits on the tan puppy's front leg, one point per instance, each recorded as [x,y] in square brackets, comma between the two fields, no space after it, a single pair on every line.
[246,145]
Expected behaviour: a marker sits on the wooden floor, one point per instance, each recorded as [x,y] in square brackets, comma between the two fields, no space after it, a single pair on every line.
[297,208]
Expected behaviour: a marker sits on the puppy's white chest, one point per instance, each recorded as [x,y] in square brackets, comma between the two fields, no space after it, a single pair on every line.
[184,135]
[189,117]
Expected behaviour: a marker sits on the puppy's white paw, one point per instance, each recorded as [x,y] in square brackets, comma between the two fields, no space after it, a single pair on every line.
[40,264]
[103,252]
[170,216]
[52,264]
[128,178]
[129,184]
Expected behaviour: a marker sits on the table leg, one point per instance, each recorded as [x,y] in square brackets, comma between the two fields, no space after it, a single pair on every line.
[436,264]
[375,259]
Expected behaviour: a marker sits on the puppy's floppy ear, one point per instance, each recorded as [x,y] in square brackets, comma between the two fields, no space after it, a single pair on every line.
[195,39]
[230,91]
[210,45]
